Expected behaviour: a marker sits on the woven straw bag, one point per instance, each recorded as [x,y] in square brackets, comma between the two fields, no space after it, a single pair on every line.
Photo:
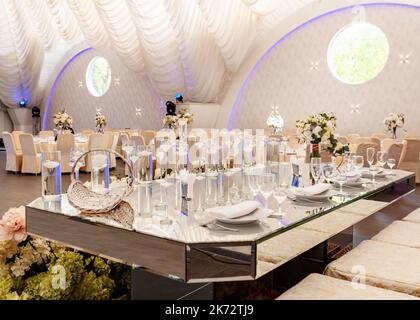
[105,205]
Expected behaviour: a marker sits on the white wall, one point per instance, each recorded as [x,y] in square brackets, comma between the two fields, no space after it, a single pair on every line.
[283,77]
[118,104]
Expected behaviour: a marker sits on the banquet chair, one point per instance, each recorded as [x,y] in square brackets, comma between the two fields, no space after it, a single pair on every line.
[109,130]
[109,138]
[343,140]
[410,158]
[138,140]
[65,142]
[376,141]
[31,160]
[115,139]
[361,150]
[15,135]
[352,137]
[46,134]
[86,132]
[395,151]
[96,141]
[363,140]
[386,143]
[13,157]
[380,136]
[148,135]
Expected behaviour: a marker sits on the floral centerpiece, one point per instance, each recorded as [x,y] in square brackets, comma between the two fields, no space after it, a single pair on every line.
[62,120]
[275,120]
[100,121]
[393,122]
[183,117]
[319,129]
[33,268]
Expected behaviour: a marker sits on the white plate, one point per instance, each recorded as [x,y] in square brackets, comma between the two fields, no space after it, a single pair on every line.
[254,216]
[368,174]
[358,183]
[316,197]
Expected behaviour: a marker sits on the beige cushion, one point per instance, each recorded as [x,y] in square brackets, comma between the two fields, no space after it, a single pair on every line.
[385,265]
[413,216]
[320,287]
[401,232]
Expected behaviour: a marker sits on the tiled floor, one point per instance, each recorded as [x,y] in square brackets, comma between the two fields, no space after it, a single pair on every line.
[20,189]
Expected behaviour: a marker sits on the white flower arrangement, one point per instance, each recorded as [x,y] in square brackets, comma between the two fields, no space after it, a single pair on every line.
[174,121]
[275,120]
[394,121]
[62,120]
[100,120]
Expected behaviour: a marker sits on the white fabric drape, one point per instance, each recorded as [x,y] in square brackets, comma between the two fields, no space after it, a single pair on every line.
[188,46]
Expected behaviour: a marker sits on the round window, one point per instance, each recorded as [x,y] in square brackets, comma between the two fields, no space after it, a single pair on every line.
[98,76]
[358,53]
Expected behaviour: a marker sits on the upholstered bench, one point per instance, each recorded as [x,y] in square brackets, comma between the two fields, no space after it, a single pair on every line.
[403,233]
[320,287]
[382,265]
[413,216]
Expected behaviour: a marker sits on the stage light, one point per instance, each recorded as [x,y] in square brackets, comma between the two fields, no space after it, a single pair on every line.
[179,97]
[22,103]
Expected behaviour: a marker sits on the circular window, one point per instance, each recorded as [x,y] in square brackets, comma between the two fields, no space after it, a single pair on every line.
[98,76]
[358,53]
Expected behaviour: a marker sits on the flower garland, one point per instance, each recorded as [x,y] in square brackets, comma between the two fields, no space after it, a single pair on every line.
[319,128]
[32,268]
[63,120]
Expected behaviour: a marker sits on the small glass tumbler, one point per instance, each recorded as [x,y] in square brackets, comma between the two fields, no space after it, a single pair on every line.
[100,172]
[51,175]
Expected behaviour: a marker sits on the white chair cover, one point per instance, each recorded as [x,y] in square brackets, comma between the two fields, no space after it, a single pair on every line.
[46,134]
[64,144]
[96,141]
[352,137]
[361,150]
[148,136]
[410,158]
[395,151]
[379,136]
[31,160]
[13,158]
[15,135]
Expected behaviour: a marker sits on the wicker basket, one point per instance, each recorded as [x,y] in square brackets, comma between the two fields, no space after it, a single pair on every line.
[105,205]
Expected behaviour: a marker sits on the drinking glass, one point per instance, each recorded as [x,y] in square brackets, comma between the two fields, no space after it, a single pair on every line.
[76,153]
[280,195]
[51,175]
[341,179]
[382,158]
[374,170]
[100,172]
[253,184]
[370,155]
[391,163]
[316,169]
[143,165]
[330,172]
[266,186]
[358,162]
[128,146]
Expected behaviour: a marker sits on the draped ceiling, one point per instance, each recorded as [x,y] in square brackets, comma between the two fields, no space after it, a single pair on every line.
[188,46]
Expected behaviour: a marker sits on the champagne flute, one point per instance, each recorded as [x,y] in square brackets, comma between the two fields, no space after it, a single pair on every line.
[370,156]
[266,186]
[382,158]
[374,170]
[280,195]
[316,169]
[341,179]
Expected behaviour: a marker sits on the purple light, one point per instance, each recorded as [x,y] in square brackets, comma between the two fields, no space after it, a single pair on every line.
[254,68]
[48,104]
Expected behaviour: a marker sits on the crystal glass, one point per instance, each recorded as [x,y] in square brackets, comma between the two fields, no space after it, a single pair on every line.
[76,153]
[374,170]
[51,175]
[370,155]
[285,174]
[100,172]
[266,186]
[382,158]
[316,169]
[143,164]
[253,185]
[358,162]
[341,179]
[280,195]
[391,163]
[330,172]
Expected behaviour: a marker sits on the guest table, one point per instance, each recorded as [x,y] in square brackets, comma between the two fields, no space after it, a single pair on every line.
[187,260]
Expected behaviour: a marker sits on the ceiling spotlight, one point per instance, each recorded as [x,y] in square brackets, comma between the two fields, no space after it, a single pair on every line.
[179,98]
[22,103]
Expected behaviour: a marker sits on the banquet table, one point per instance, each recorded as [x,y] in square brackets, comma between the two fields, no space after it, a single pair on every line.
[43,145]
[187,260]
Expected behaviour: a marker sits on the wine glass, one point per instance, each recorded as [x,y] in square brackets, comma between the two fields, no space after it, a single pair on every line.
[374,170]
[370,156]
[382,158]
[341,179]
[329,172]
[253,184]
[391,163]
[316,169]
[280,195]
[358,162]
[266,186]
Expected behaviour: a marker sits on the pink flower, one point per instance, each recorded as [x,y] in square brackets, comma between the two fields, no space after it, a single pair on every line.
[13,225]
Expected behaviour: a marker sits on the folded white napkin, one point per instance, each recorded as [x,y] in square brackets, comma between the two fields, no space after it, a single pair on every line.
[234,211]
[313,190]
